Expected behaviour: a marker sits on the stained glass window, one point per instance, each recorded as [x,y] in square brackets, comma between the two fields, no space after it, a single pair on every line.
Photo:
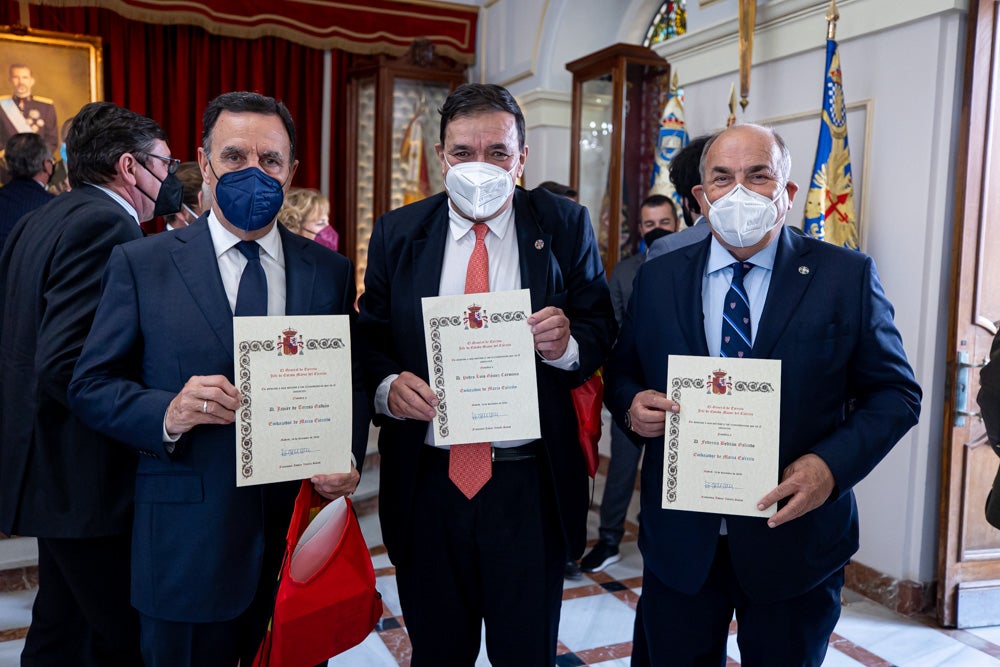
[670,21]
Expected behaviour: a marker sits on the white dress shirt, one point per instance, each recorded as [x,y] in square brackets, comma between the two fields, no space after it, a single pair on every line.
[232,262]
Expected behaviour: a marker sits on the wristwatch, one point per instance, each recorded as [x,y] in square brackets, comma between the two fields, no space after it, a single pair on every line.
[628,419]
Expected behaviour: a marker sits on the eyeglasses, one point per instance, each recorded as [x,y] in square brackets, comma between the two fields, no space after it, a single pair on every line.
[172,162]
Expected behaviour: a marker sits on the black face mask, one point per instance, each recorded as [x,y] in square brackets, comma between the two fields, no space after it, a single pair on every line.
[168,201]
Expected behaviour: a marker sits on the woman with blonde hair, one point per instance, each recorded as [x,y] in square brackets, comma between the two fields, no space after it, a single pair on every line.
[307,213]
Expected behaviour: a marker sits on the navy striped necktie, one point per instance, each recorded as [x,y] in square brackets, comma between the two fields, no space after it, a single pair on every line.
[737,338]
[251,298]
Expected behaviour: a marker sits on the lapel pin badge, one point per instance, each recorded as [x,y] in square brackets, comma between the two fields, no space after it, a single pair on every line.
[804,270]
[539,244]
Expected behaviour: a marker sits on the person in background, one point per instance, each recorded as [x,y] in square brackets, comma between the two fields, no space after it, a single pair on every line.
[30,165]
[61,481]
[306,212]
[657,218]
[685,174]
[989,406]
[192,201]
[560,189]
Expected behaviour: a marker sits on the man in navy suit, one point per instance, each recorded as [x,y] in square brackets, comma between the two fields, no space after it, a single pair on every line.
[847,396]
[496,553]
[30,164]
[61,481]
[157,374]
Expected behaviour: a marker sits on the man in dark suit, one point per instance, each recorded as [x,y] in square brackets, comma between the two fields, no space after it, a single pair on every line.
[157,374]
[496,553]
[847,396]
[21,111]
[989,407]
[30,164]
[60,481]
[657,219]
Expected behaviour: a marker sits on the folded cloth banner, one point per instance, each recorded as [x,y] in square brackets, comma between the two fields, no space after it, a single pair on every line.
[371,26]
[587,401]
[326,601]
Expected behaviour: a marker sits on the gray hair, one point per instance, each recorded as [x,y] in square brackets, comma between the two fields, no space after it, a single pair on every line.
[784,162]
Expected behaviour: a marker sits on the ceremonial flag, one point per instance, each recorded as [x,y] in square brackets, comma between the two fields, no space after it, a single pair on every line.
[672,138]
[829,214]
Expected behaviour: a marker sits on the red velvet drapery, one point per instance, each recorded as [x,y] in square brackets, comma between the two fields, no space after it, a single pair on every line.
[170,72]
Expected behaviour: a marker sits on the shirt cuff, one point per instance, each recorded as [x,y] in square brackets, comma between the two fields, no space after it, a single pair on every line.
[569,361]
[382,397]
[169,441]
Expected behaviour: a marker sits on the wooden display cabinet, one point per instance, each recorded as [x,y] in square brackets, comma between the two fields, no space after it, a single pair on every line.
[618,95]
[392,110]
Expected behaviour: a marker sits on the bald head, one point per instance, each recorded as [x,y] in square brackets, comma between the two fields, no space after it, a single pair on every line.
[749,135]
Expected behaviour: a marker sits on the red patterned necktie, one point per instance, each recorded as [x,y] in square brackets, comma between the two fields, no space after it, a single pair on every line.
[471,466]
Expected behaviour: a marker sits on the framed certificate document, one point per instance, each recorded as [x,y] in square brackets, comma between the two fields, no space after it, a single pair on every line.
[721,450]
[481,358]
[295,418]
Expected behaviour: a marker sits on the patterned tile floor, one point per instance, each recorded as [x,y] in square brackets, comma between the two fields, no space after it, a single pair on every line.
[597,614]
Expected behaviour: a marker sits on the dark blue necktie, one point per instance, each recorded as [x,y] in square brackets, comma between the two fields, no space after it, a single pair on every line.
[251,299]
[736,334]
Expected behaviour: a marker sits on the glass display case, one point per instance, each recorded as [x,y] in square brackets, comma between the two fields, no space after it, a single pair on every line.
[618,94]
[392,108]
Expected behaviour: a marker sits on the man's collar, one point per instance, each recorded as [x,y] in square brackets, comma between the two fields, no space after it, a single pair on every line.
[118,198]
[460,226]
[719,257]
[223,239]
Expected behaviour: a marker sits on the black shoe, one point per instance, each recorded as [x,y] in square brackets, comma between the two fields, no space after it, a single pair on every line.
[572,571]
[602,555]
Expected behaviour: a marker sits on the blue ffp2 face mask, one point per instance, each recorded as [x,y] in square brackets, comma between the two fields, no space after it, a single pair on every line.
[249,198]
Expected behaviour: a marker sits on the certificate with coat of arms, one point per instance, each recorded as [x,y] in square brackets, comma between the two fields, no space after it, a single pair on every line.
[721,450]
[295,417]
[481,360]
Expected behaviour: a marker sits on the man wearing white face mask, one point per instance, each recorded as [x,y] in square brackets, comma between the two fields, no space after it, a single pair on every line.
[847,396]
[496,552]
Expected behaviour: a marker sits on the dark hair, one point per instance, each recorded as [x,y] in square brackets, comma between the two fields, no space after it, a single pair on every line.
[658,200]
[189,174]
[101,133]
[242,101]
[558,189]
[26,154]
[14,66]
[685,172]
[471,99]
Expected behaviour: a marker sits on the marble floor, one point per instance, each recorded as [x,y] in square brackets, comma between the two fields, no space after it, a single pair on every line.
[597,615]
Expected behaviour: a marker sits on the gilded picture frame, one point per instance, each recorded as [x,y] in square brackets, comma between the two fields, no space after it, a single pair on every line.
[64,72]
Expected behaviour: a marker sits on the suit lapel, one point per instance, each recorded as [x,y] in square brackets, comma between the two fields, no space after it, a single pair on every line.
[789,280]
[194,257]
[300,273]
[534,249]
[688,277]
[427,258]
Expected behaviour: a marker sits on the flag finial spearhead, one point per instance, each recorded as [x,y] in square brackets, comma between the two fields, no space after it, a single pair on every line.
[832,16]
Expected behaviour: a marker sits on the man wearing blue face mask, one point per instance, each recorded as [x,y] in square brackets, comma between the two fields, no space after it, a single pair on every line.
[847,396]
[494,551]
[157,374]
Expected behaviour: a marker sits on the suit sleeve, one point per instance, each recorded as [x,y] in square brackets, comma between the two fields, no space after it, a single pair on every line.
[989,395]
[374,321]
[106,392]
[623,373]
[881,388]
[588,301]
[359,399]
[72,294]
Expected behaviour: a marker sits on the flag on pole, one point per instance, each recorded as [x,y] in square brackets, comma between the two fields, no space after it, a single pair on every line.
[672,138]
[829,214]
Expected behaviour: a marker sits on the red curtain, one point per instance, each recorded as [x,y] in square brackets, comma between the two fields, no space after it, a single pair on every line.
[170,72]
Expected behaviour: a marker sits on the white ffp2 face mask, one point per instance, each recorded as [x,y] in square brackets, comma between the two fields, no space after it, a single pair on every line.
[742,217]
[478,189]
